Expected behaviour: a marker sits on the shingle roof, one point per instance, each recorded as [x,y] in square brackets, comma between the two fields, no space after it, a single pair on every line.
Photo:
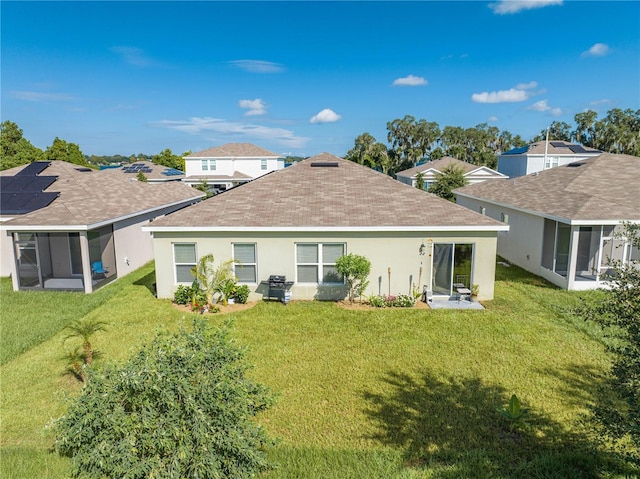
[438,165]
[597,188]
[555,147]
[92,197]
[307,195]
[157,173]
[234,150]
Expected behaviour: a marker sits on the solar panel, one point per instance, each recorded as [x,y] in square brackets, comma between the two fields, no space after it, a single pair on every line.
[172,172]
[517,151]
[21,203]
[33,184]
[34,168]
[578,149]
[559,144]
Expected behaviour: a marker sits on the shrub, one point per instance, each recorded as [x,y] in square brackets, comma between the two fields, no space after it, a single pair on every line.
[404,301]
[181,407]
[377,301]
[355,269]
[241,293]
[391,301]
[183,294]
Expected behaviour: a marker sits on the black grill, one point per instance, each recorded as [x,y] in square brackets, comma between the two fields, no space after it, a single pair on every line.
[278,288]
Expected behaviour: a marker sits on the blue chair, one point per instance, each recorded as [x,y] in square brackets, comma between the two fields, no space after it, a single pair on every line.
[98,269]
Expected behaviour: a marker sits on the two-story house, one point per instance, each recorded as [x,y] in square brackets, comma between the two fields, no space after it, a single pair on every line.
[226,166]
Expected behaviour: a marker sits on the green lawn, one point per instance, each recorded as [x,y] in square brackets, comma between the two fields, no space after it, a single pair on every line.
[360,394]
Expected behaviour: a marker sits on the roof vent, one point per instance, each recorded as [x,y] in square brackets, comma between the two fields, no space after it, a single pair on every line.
[575,164]
[83,169]
[325,164]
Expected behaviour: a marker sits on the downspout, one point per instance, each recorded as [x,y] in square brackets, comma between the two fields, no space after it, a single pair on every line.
[546,147]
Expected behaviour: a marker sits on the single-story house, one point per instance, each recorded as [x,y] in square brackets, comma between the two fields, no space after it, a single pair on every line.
[229,165]
[564,222]
[74,228]
[296,222]
[472,173]
[542,155]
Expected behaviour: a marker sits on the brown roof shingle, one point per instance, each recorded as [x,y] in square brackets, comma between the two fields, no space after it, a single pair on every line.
[306,195]
[234,150]
[604,187]
[92,197]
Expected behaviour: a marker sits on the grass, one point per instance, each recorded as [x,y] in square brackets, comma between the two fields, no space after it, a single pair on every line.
[361,394]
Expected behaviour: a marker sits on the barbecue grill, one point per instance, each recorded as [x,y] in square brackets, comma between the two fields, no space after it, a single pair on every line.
[279,288]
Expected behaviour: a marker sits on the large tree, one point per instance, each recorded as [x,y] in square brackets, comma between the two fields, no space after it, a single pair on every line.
[370,152]
[65,151]
[558,130]
[15,150]
[412,140]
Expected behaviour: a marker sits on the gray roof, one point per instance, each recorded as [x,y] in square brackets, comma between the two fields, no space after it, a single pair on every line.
[555,147]
[325,192]
[598,188]
[438,165]
[234,150]
[157,172]
[92,197]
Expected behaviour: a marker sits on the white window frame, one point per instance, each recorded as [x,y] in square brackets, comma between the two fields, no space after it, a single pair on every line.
[320,264]
[244,263]
[176,264]
[212,165]
[204,165]
[263,164]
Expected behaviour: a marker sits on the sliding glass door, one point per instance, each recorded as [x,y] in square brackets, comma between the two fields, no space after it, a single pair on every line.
[452,264]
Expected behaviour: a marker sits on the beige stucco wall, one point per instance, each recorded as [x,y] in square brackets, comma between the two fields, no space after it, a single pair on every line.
[276,255]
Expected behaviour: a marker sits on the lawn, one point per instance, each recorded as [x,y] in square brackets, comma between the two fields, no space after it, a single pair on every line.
[392,393]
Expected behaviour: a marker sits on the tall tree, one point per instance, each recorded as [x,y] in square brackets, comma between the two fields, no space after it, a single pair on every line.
[449,179]
[64,151]
[15,150]
[412,140]
[585,132]
[362,151]
[558,130]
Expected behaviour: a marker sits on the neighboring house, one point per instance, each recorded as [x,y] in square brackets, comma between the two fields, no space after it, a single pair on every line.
[298,221]
[430,170]
[541,155]
[226,166]
[564,220]
[69,227]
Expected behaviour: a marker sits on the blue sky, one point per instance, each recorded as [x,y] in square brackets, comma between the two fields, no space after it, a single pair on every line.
[302,78]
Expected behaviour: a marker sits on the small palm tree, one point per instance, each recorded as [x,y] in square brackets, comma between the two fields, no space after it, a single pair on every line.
[84,329]
[213,281]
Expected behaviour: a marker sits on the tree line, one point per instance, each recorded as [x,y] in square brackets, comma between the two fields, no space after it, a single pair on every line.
[412,141]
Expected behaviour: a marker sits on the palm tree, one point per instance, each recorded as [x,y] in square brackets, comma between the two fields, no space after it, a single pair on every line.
[84,329]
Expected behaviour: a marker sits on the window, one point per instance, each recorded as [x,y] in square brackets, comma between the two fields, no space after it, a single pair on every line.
[550,162]
[504,218]
[483,210]
[205,165]
[212,165]
[316,262]
[184,257]
[245,267]
[263,164]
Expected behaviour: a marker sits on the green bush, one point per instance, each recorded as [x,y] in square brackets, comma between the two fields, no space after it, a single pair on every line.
[183,294]
[181,407]
[391,301]
[241,293]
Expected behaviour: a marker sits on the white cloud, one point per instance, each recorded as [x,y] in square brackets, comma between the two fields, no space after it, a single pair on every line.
[40,96]
[505,7]
[410,80]
[596,50]
[255,107]
[325,116]
[543,105]
[492,119]
[257,66]
[134,56]
[517,94]
[198,126]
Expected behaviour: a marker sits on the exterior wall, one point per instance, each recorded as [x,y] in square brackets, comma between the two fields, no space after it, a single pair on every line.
[275,254]
[227,166]
[6,254]
[406,180]
[512,165]
[521,165]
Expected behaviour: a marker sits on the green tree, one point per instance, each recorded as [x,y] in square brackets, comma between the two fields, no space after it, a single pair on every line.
[15,150]
[449,179]
[64,151]
[84,329]
[618,313]
[558,130]
[370,152]
[168,159]
[355,269]
[183,406]
[420,180]
[412,140]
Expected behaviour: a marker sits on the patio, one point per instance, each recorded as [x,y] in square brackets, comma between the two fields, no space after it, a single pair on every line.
[455,304]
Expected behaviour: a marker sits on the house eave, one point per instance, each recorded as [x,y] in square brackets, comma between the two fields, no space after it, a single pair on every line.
[321,229]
